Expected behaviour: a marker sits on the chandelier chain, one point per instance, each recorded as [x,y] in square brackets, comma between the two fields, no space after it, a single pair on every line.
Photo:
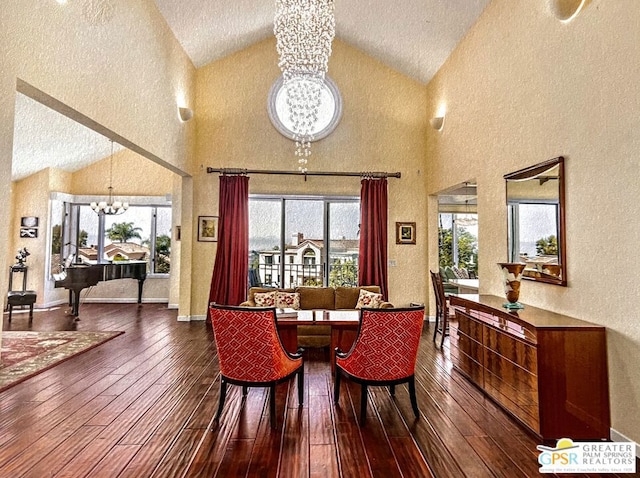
[110,207]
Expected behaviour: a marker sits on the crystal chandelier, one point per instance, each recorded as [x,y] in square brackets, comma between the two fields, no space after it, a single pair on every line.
[110,207]
[304,30]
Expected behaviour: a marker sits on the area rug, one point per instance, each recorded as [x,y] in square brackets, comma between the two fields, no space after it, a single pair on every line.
[25,354]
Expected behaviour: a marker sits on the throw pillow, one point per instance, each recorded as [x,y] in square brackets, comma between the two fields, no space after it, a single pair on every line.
[265,299]
[288,300]
[369,299]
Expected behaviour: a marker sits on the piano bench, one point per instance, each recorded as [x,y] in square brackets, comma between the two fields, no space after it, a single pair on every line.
[20,298]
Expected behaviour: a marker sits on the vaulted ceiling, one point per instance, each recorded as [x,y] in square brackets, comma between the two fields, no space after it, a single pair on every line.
[414,37]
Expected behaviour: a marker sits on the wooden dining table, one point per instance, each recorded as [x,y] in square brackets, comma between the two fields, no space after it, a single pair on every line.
[344,327]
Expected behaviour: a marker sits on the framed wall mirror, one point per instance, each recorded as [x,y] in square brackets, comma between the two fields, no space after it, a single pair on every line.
[536,228]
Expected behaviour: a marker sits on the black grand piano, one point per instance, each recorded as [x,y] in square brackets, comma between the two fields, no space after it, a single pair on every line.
[80,276]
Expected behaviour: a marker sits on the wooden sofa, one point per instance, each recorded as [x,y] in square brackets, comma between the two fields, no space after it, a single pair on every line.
[313,298]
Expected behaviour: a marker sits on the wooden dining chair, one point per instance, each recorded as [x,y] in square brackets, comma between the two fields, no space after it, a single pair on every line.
[383,354]
[251,353]
[442,308]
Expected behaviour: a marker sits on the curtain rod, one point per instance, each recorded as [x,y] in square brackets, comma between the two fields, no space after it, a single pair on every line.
[365,174]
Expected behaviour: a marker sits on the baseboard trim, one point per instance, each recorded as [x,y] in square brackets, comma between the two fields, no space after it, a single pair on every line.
[192,318]
[617,437]
[122,300]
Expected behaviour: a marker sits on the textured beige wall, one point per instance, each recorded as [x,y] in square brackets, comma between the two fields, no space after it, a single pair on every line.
[30,203]
[133,175]
[522,88]
[382,128]
[128,75]
[30,197]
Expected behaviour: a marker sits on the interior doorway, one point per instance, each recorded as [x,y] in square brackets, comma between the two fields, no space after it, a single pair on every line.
[458,236]
[49,135]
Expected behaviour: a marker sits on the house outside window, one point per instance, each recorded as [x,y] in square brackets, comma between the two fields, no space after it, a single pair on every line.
[319,235]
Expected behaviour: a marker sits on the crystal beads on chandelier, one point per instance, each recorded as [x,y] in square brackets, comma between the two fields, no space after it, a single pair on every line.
[304,30]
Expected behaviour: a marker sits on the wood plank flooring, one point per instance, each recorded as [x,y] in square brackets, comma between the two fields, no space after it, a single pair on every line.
[141,405]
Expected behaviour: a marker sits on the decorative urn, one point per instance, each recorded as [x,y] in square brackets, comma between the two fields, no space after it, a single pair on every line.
[511,278]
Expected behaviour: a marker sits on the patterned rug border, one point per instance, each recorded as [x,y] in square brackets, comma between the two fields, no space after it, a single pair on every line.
[21,371]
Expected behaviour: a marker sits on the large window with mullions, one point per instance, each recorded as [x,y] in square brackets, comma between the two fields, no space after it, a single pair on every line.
[308,240]
[141,233]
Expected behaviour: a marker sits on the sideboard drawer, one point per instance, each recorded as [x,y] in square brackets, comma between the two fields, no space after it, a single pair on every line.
[517,351]
[469,326]
[518,377]
[469,367]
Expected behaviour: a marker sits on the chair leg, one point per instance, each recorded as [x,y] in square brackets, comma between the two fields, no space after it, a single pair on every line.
[301,386]
[272,405]
[435,329]
[363,404]
[392,390]
[31,313]
[10,311]
[412,396]
[223,396]
[444,330]
[336,387]
[245,390]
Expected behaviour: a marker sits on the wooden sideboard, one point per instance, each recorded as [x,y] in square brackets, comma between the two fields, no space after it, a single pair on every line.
[547,370]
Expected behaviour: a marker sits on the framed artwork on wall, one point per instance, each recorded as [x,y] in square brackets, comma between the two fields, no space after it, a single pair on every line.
[405,232]
[208,228]
[28,232]
[29,221]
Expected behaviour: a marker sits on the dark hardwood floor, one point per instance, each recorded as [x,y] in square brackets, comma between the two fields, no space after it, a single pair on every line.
[141,405]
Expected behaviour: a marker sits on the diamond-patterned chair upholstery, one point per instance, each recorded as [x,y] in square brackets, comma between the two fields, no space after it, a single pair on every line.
[384,352]
[250,352]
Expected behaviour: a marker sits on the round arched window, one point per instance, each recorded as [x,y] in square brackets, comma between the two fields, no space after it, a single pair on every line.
[329,113]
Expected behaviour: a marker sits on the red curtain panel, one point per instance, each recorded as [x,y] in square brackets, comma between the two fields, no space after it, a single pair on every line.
[229,280]
[373,234]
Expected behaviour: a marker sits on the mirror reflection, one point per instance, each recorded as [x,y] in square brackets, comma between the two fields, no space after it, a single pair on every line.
[535,201]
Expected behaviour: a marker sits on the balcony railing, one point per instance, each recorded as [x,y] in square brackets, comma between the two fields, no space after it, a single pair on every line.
[268,275]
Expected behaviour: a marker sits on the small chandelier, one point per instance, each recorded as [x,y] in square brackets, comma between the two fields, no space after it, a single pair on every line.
[304,30]
[110,207]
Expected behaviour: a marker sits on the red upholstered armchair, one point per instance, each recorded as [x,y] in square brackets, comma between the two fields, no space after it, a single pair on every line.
[251,354]
[384,353]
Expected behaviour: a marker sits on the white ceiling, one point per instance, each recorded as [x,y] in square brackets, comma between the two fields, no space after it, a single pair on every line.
[414,37]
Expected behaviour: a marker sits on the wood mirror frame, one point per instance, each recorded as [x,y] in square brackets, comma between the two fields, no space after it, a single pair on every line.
[535,195]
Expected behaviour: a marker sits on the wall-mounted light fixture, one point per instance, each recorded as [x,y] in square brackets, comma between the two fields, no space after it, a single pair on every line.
[567,10]
[437,122]
[185,113]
